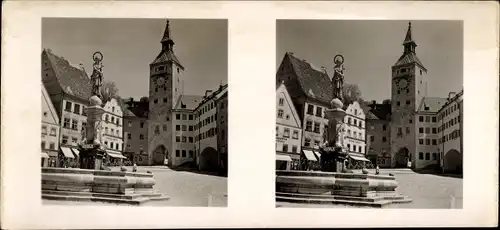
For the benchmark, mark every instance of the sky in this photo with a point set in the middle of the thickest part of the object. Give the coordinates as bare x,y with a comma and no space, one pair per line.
130,45
370,48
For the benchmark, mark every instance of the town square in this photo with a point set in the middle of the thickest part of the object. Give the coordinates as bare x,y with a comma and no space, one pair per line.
139,120
365,123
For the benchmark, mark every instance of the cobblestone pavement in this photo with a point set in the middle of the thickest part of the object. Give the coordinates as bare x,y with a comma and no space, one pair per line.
426,191
184,189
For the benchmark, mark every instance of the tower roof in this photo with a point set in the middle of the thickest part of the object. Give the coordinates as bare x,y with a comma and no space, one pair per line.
408,37
409,55
167,50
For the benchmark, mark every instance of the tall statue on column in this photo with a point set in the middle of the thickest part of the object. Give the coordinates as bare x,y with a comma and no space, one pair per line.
96,76
338,76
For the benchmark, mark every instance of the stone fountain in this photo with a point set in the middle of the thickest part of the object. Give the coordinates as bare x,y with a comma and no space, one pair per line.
91,182
331,185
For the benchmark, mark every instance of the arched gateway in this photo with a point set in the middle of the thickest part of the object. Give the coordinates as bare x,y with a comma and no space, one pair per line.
209,159
453,161
403,156
159,155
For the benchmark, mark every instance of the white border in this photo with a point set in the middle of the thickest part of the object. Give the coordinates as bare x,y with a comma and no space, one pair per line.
251,120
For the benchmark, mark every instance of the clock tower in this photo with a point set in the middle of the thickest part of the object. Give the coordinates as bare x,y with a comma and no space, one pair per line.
164,90
409,84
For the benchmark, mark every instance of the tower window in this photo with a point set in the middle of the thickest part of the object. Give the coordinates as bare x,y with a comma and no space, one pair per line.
407,102
165,99
156,101
178,71
399,91
420,72
156,90
397,103
407,91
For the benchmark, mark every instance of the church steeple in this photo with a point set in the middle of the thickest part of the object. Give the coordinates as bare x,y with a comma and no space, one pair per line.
166,41
408,43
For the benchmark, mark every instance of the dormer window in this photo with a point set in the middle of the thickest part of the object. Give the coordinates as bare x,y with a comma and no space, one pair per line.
161,68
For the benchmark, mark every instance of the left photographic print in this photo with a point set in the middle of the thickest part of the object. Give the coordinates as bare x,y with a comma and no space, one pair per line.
134,112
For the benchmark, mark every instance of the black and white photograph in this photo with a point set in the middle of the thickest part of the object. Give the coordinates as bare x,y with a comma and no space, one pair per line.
134,112
369,113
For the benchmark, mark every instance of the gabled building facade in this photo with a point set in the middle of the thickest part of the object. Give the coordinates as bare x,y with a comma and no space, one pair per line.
113,129
378,133
450,139
288,131
69,89
50,131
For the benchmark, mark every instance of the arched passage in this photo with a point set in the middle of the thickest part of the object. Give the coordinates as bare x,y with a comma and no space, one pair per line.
159,155
453,161
209,159
402,158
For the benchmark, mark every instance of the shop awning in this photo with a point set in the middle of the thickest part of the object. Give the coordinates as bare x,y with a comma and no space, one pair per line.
76,152
358,158
116,155
67,152
318,154
309,155
283,157
45,155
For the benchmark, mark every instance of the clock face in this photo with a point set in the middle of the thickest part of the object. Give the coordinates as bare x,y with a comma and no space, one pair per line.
161,81
402,84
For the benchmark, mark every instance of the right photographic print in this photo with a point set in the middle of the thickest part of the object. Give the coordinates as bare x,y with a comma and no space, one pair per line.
369,113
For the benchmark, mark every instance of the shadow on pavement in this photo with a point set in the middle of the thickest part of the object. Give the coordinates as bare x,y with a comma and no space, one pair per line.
436,173
197,171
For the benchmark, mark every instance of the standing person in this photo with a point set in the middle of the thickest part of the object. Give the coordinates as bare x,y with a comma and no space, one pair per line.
135,167
377,170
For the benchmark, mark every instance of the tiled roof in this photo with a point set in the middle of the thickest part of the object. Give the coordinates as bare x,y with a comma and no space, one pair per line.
367,111
136,109
167,55
73,80
188,102
431,104
314,83
408,58
378,111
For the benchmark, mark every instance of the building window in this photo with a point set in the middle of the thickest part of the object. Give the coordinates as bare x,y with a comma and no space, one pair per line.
420,155
178,127
421,141
68,107
427,119
384,127
190,153
295,134
316,127
190,128
372,127
434,156
141,136
52,146
277,130
427,156
190,139
129,136
319,112
280,113
355,121
177,116
307,142
190,117
65,139
434,119
434,130
294,149
53,131
165,100
398,103
177,138
427,141
74,124
384,139
285,148
183,153
66,123
372,138
43,144
349,120
359,149
310,109
184,117
76,109
286,132
349,147
177,153
44,130
427,130
74,140
316,143
421,118
184,128
184,139
281,101
164,127
434,142
407,102
308,125
142,124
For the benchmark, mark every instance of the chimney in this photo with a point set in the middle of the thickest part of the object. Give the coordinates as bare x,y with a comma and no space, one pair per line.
374,102
208,92
49,50
451,94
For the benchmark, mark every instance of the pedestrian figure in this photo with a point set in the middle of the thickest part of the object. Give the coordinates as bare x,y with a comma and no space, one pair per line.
377,170
135,168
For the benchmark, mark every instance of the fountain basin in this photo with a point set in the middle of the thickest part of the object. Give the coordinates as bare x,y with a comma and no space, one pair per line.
337,188
98,185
